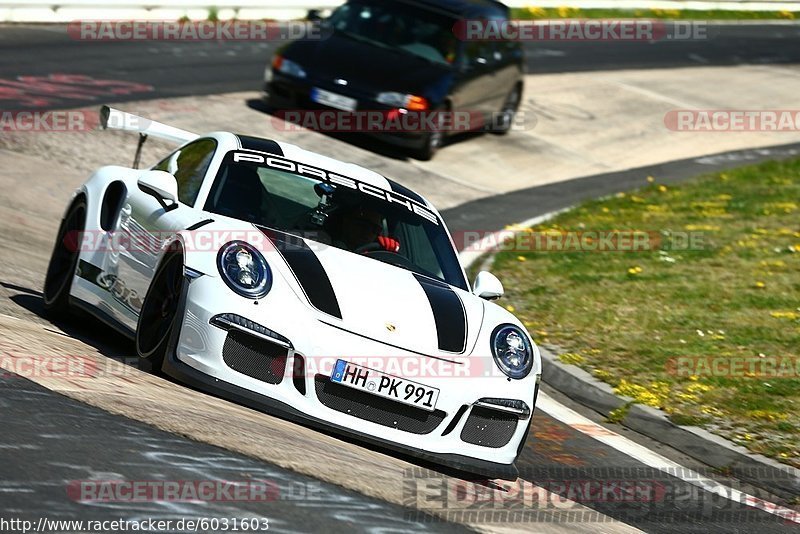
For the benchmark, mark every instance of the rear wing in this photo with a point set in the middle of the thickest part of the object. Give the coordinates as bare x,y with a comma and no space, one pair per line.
115,119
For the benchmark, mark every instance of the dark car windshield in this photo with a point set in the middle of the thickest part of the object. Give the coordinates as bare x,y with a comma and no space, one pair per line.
413,30
287,196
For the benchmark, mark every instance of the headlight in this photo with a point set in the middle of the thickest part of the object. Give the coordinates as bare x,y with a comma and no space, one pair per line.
244,269
512,351
287,66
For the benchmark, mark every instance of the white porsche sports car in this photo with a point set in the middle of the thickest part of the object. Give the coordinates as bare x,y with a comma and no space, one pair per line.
309,288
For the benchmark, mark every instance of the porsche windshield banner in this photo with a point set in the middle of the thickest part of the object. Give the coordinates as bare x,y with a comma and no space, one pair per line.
309,171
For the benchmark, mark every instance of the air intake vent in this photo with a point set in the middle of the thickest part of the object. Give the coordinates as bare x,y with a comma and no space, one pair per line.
254,357
489,428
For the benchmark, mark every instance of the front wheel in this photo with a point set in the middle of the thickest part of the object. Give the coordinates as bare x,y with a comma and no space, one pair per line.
64,260
433,140
158,316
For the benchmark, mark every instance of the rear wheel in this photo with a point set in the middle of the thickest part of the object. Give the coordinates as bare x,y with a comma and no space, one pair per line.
158,316
64,259
503,121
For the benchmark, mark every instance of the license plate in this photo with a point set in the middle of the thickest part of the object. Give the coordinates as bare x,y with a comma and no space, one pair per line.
326,98
387,386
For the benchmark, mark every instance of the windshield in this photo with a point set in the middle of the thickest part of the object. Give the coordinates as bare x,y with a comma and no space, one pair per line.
424,34
331,209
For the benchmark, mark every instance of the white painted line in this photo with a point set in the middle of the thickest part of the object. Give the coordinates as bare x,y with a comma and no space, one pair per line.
492,241
652,459
654,95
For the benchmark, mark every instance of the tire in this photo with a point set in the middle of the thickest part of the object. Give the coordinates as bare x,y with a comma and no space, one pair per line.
505,118
432,142
64,260
159,313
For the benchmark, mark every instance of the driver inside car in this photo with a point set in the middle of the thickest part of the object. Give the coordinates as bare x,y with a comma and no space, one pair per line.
361,227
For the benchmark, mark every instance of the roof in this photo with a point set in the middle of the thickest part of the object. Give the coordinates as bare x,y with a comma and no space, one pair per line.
462,7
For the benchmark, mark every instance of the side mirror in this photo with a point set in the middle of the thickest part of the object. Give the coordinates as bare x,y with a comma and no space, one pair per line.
487,286
162,186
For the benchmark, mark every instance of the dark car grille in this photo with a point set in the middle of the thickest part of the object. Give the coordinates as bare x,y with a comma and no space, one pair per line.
489,428
254,357
376,409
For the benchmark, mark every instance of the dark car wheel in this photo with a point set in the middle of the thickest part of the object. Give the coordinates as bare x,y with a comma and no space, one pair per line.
503,121
64,260
432,141
158,316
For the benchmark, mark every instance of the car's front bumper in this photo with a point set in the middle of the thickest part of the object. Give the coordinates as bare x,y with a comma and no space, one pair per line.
199,358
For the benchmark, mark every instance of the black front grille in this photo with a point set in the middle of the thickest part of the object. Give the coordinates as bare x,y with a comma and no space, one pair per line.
376,409
254,357
489,428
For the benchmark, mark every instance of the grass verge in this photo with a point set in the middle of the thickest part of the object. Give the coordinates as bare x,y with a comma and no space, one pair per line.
537,13
702,322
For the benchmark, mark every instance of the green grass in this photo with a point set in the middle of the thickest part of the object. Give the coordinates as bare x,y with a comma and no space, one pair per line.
669,14
628,316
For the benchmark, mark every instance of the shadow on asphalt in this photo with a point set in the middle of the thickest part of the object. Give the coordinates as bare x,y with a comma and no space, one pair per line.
110,343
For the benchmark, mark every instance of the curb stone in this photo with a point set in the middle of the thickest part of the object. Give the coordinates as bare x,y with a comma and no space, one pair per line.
700,444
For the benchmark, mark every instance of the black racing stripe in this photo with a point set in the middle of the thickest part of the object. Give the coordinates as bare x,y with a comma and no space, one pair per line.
403,190
261,145
307,269
199,224
448,313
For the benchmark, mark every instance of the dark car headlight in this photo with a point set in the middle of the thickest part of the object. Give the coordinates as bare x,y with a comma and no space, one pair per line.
512,351
244,269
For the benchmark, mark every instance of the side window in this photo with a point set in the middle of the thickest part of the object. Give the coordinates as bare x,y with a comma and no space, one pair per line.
477,55
189,165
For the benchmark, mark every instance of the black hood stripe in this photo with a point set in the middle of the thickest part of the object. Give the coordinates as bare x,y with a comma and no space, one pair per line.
448,313
307,270
260,145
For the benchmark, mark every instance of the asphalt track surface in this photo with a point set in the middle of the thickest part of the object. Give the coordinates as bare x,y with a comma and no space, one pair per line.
196,68
47,439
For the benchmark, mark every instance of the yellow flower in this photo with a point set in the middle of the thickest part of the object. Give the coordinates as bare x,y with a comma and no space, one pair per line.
650,179
537,12
635,270
521,258
605,209
510,308
662,188
760,285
